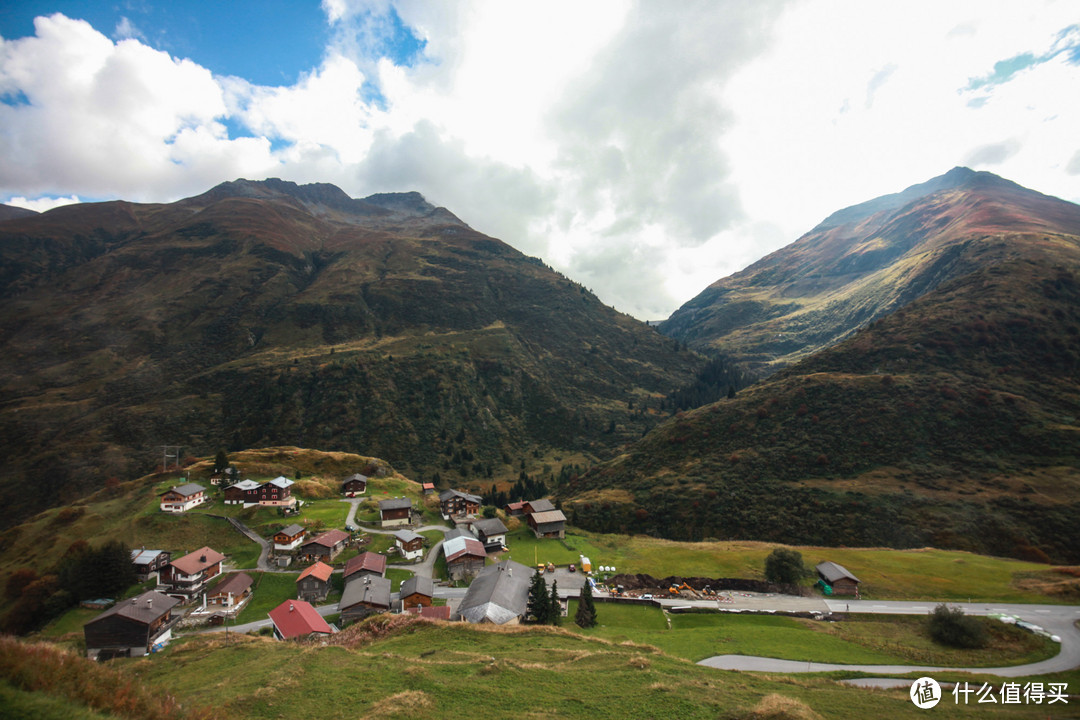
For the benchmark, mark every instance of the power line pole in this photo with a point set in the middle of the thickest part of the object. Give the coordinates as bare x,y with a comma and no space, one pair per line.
165,456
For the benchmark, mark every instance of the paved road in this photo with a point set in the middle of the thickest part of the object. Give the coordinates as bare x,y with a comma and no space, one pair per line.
250,534
1058,620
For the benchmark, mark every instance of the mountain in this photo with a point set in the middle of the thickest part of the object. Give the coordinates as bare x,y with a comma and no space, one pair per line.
859,264
269,313
10,212
953,421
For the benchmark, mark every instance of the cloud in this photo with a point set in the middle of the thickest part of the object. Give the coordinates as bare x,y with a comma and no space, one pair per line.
125,29
993,154
42,204
1073,168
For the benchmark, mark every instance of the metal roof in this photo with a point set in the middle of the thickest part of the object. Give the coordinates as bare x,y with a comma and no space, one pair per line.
395,504
281,481
188,489
355,476
833,572
319,570
542,505
459,546
371,561
489,526
499,594
247,485
330,538
369,589
291,530
296,618
548,516
142,557
144,609
416,584
197,561
447,494
407,536
236,584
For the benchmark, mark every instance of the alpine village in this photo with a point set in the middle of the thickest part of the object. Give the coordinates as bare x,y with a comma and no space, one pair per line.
276,452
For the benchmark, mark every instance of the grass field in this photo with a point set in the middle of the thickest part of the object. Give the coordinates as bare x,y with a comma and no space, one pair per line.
869,639
269,591
451,670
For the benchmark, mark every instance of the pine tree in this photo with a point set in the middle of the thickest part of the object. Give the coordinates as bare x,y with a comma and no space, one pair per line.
539,605
555,606
586,611
221,461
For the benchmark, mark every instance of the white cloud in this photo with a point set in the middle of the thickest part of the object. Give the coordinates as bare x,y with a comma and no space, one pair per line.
42,204
644,148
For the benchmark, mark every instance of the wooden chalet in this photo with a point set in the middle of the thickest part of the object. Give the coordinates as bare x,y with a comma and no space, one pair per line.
289,538
245,492
354,485
187,577
132,628
547,524
297,620
231,593
535,506
838,579
366,563
364,596
324,547
147,562
456,503
465,555
409,544
492,533
395,511
515,509
417,591
314,585
427,488
182,498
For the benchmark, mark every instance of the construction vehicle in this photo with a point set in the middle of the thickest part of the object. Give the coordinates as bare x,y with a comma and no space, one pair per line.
551,567
540,568
586,564
683,590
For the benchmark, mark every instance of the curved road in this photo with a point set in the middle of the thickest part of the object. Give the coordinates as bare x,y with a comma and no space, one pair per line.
1058,620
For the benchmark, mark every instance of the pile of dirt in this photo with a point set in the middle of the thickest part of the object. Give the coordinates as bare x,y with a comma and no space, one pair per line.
648,583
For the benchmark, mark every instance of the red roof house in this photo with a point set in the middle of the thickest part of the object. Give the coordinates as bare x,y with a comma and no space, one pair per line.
296,619
366,563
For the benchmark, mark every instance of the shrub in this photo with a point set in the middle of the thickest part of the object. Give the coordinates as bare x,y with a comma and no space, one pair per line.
784,566
949,626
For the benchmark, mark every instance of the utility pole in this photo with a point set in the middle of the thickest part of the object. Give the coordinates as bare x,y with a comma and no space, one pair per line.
165,456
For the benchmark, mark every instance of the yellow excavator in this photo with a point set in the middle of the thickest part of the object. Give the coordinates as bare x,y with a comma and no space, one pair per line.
683,590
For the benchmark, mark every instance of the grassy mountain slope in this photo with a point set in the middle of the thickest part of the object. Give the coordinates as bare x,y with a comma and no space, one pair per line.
859,264
266,313
952,422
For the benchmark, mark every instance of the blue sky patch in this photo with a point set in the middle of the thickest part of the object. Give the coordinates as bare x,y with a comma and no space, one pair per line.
14,99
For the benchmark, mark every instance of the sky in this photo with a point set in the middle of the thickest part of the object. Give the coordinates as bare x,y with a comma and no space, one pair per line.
643,148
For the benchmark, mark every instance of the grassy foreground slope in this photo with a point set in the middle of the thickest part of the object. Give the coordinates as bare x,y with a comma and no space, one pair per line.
421,669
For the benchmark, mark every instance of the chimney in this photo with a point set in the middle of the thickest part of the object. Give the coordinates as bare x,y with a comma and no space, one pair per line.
290,607
202,558
134,601
149,602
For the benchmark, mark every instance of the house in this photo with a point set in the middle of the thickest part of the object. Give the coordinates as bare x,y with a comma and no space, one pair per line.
548,524
289,538
366,563
148,562
492,533
297,620
222,477
274,493
277,493
231,593
186,578
427,488
499,594
465,555
535,506
440,612
838,579
182,498
416,591
324,547
313,584
364,596
396,511
354,485
515,509
455,502
245,492
409,544
131,628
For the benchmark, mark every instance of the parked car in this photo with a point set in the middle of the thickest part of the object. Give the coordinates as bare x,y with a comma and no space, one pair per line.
573,568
